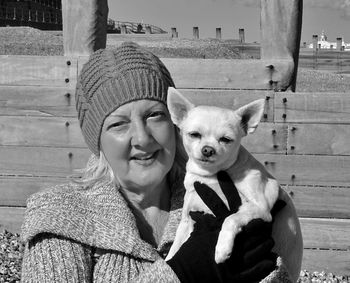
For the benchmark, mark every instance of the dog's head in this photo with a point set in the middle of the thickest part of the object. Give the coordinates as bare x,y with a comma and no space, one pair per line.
212,135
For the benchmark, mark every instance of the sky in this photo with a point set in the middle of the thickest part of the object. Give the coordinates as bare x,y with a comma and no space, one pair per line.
332,16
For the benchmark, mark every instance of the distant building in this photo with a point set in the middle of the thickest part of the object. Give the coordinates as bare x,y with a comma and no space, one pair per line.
41,14
323,43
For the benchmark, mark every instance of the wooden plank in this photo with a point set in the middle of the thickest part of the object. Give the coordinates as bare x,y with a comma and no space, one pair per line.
11,218
308,169
40,131
38,70
41,161
330,261
333,108
59,101
324,202
268,138
324,139
15,191
325,233
224,73
65,132
37,101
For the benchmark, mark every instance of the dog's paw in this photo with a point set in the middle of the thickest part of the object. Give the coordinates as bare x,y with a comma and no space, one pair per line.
222,254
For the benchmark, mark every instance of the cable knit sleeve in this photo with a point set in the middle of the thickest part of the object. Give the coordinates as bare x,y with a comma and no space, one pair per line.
49,258
158,272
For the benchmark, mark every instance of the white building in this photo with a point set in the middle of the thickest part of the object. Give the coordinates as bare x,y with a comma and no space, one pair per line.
323,43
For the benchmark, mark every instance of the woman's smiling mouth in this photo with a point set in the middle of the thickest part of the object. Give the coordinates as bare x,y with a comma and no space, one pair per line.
145,158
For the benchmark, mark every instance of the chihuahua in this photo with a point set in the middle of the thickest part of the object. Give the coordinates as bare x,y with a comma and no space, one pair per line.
212,139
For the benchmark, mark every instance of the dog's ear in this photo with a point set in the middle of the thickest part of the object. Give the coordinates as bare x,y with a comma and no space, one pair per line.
178,105
251,115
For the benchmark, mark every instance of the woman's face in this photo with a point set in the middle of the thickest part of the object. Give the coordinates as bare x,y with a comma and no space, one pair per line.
138,141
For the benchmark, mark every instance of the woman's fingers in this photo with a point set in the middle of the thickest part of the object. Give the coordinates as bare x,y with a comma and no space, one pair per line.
230,191
212,200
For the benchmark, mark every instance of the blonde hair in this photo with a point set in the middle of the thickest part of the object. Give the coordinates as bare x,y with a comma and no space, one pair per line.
98,172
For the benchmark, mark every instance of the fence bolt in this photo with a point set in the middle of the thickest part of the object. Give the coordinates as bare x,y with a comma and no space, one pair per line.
292,147
293,129
266,163
271,82
291,193
270,67
70,155
67,124
293,177
267,98
66,80
284,116
67,95
284,100
273,132
275,146
69,63
265,116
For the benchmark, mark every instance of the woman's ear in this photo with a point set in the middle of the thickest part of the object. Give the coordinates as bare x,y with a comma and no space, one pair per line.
178,106
251,115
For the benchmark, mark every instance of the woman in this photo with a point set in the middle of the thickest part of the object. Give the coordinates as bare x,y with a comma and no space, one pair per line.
118,222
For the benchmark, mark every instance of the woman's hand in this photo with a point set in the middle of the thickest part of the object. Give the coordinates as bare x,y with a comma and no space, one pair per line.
251,259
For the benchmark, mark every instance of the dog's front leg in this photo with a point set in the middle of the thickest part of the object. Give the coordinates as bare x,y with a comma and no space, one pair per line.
232,225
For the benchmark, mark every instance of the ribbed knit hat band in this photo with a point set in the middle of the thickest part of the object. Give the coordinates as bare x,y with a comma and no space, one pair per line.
112,78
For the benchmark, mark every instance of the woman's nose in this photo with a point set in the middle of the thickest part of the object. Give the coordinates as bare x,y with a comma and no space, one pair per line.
141,135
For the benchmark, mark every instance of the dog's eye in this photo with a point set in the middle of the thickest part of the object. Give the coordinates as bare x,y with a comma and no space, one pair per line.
225,140
195,135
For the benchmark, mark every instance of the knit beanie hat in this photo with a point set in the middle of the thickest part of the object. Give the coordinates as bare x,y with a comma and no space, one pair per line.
115,77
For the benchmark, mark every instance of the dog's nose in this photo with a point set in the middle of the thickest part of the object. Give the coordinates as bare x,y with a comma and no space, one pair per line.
208,151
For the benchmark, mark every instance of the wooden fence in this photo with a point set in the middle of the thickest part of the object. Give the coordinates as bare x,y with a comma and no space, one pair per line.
303,139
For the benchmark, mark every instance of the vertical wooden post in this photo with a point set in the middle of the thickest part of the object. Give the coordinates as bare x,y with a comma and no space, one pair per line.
280,27
315,42
84,26
339,43
123,29
174,33
148,30
315,48
241,35
218,33
195,32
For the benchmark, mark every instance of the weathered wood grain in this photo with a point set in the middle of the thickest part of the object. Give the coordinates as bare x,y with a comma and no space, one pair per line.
38,70
40,131
332,108
327,202
84,26
41,161
37,101
65,132
308,169
330,261
325,233
224,73
323,139
15,191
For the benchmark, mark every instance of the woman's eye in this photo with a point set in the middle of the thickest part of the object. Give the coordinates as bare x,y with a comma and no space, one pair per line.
195,135
116,125
155,114
225,140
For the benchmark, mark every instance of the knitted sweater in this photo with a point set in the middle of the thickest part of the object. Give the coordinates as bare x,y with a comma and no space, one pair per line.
75,235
